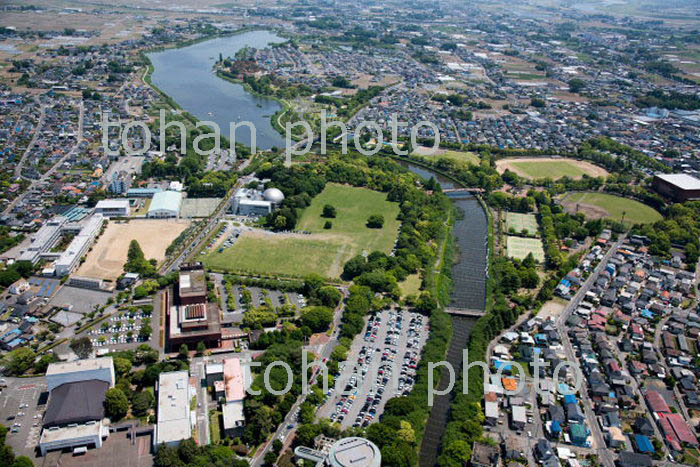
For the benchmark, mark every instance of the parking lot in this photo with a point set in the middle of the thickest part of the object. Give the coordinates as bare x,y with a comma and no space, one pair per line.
258,297
381,364
121,328
21,410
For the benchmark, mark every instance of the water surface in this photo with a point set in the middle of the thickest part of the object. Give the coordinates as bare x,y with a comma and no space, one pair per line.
186,75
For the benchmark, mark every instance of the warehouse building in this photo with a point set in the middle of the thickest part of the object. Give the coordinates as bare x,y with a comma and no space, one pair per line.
113,207
165,204
174,421
678,187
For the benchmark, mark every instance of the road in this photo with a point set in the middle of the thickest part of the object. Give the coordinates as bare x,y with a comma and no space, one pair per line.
282,433
30,146
55,167
605,455
203,234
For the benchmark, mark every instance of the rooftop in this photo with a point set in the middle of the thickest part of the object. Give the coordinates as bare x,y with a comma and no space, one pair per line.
79,365
354,451
682,181
233,378
173,407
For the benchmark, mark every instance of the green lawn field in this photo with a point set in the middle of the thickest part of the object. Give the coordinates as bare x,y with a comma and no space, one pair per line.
519,247
549,168
458,156
325,251
635,212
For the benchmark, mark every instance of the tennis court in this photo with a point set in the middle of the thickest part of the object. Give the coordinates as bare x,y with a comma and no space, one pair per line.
519,247
519,222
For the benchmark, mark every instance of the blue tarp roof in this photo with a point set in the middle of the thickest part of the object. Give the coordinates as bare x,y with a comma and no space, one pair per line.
644,444
556,427
570,399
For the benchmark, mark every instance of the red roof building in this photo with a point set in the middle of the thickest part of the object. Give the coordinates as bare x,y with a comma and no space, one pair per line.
657,403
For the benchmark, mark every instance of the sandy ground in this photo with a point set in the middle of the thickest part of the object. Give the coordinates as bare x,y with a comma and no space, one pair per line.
591,169
588,210
108,255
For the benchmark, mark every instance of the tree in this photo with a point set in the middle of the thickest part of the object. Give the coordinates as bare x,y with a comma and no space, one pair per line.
201,347
43,363
277,446
459,450
576,85
23,461
82,346
537,102
270,458
329,211
116,404
141,403
19,360
328,225
145,332
122,366
375,221
317,318
329,296
184,352
406,432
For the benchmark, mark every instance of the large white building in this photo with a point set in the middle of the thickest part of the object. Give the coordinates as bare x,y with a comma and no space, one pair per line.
113,207
165,204
79,246
174,419
345,452
74,416
250,202
45,238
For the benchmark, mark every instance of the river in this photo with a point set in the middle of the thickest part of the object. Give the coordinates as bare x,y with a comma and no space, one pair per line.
186,75
469,291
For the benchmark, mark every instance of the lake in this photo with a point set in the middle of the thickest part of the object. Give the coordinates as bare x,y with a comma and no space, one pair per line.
186,74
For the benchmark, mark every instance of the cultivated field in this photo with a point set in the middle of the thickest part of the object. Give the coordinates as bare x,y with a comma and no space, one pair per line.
519,222
323,251
519,247
542,167
599,205
108,255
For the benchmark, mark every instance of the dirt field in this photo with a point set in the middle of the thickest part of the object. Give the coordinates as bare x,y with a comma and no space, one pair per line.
108,255
538,167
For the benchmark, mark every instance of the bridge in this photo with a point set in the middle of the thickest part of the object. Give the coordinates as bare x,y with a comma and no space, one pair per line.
463,190
470,313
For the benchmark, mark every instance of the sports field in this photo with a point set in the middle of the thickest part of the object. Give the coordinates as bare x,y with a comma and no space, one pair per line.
107,257
324,251
554,168
520,222
599,205
519,247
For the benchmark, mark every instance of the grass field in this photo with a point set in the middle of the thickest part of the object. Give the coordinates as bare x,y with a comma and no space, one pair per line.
324,251
519,247
554,168
598,205
411,285
458,156
519,221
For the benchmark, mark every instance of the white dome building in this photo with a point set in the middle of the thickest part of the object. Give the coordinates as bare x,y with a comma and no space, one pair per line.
350,452
273,195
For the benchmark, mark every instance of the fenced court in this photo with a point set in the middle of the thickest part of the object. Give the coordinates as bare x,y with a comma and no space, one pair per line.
518,222
519,248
